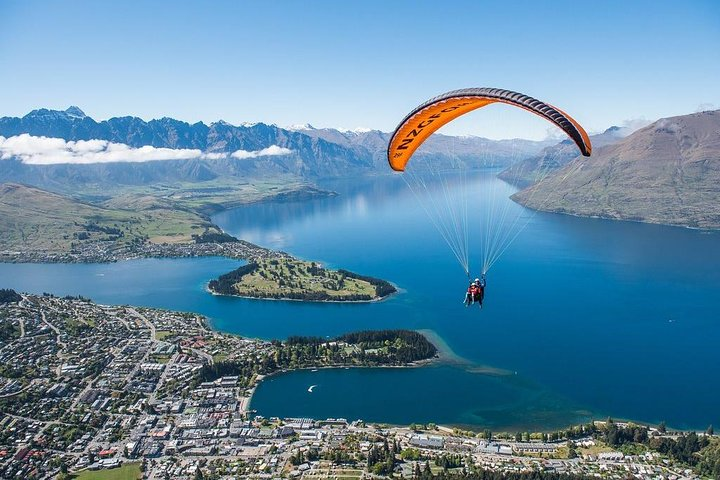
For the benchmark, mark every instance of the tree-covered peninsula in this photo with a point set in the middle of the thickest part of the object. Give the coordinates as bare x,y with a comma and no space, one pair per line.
371,348
287,278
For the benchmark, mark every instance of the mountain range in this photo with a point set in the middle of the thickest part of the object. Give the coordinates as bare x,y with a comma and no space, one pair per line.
532,169
315,153
667,172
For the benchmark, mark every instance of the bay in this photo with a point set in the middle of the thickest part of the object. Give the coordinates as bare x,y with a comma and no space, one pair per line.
596,317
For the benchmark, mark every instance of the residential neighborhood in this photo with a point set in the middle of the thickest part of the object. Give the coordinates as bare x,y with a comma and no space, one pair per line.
91,387
103,252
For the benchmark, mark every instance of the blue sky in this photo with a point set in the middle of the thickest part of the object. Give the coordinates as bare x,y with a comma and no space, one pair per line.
359,64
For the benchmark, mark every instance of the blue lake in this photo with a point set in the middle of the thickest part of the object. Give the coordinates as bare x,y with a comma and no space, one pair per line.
588,317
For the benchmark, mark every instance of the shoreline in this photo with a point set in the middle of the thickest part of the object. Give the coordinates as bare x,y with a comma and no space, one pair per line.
277,278
117,252
444,356
448,356
260,378
270,299
706,229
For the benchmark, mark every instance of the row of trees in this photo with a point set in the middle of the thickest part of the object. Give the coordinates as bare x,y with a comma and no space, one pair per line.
399,347
615,435
224,284
214,237
447,461
694,450
480,474
94,227
387,346
301,457
404,345
381,459
307,295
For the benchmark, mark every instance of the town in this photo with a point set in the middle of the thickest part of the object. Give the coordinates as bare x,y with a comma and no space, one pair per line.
158,394
105,252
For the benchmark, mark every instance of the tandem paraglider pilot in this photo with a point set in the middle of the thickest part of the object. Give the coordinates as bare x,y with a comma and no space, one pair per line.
476,291
428,117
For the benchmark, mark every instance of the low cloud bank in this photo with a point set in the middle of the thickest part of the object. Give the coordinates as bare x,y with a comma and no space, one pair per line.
272,150
52,151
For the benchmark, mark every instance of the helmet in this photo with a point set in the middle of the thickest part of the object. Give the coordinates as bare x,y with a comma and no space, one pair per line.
477,279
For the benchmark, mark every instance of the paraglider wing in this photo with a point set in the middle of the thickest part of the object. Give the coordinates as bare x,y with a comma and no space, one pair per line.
436,112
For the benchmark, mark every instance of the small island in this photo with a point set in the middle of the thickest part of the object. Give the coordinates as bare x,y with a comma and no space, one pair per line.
287,278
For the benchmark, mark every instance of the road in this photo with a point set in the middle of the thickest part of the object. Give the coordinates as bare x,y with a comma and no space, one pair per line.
147,322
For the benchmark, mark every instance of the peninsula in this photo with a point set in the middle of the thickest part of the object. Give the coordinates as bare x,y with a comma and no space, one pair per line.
42,226
37,225
286,278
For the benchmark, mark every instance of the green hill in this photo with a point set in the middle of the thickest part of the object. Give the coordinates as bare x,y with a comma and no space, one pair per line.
37,220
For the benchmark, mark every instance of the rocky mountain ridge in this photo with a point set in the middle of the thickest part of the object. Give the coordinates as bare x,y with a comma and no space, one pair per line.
315,153
667,172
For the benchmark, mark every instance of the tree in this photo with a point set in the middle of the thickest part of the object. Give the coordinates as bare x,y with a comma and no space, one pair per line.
710,432
410,454
662,428
518,437
572,453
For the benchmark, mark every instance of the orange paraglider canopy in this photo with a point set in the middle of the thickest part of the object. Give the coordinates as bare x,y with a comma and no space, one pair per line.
426,119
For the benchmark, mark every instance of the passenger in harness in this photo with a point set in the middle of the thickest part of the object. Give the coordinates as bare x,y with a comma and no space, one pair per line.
471,294
476,292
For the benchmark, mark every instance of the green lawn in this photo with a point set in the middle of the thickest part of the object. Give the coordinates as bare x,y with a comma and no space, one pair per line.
285,276
162,334
220,357
34,219
161,358
130,471
39,220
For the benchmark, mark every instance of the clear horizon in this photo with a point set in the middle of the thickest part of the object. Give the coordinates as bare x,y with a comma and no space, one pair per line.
360,65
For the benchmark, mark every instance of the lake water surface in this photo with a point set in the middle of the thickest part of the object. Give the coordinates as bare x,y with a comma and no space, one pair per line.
584,317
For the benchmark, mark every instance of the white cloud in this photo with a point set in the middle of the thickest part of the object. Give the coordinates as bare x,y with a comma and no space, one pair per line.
214,156
272,150
668,126
634,124
704,107
51,151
